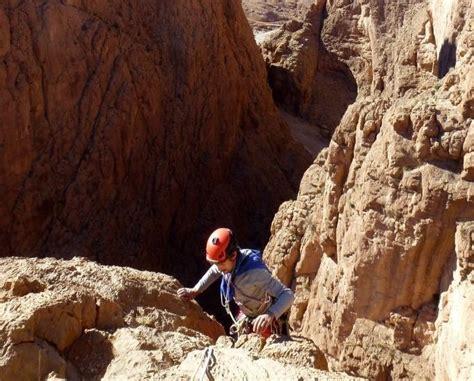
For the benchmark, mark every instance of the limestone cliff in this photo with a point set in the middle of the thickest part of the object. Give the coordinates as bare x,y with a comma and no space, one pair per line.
378,244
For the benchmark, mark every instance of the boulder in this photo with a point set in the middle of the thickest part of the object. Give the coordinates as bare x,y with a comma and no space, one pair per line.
89,321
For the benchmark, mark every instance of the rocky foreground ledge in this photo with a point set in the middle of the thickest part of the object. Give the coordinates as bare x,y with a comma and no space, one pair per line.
78,320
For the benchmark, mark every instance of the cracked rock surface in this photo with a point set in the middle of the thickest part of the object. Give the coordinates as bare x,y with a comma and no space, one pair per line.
131,128
78,320
378,244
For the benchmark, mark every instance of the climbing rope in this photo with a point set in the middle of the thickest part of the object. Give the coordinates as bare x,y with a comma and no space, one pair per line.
225,299
207,363
240,327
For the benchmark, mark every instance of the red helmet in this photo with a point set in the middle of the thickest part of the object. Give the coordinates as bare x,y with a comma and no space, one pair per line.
217,244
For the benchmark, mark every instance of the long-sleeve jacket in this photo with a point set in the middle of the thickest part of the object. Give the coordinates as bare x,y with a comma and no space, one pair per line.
252,288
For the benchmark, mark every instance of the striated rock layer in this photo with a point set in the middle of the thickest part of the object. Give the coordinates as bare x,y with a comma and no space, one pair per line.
378,244
130,129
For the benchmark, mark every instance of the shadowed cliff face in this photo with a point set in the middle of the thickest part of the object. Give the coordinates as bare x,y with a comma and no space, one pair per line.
130,130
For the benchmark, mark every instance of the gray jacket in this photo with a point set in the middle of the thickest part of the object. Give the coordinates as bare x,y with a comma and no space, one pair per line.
256,291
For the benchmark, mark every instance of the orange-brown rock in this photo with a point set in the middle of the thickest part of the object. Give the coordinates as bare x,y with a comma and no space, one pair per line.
79,320
131,129
93,322
378,244
306,79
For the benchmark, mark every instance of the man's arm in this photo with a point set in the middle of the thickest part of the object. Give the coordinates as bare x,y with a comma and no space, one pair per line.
283,296
211,275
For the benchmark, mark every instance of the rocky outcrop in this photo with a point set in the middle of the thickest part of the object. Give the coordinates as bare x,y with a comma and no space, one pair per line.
79,320
306,79
134,129
264,15
383,216
251,358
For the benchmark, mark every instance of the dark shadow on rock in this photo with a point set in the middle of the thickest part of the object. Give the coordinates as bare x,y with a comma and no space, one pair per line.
283,338
453,166
91,354
211,303
446,58
325,101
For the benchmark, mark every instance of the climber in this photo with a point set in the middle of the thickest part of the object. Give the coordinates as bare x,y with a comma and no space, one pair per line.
261,298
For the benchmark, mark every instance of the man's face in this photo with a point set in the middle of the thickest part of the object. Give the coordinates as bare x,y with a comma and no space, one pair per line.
227,265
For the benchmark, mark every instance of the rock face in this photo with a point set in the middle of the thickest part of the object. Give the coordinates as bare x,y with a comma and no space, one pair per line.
378,244
131,129
454,352
250,358
79,320
269,14
306,79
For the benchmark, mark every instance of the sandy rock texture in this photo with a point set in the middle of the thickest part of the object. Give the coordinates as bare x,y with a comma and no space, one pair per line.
251,358
135,128
454,357
378,244
79,320
265,15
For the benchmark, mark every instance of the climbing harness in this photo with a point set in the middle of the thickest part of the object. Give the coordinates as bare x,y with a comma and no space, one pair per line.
243,324
207,363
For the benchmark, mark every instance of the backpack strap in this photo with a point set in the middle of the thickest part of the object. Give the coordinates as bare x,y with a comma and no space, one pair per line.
248,260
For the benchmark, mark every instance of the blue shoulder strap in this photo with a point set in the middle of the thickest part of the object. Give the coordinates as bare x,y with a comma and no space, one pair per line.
251,260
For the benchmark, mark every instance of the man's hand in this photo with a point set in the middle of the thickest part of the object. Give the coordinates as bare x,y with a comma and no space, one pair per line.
187,293
261,322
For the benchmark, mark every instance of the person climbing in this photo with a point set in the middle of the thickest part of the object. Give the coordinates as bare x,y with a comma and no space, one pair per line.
261,298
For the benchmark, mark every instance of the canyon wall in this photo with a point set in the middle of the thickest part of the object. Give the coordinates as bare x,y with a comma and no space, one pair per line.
132,129
378,244
267,14
307,80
